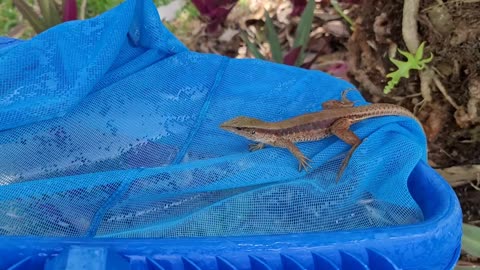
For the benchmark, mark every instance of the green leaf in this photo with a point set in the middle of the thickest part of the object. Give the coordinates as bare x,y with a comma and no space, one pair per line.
49,12
419,53
408,55
251,47
29,14
471,239
302,34
272,37
404,67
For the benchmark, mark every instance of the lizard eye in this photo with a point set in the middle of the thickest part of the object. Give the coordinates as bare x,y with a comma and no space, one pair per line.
252,132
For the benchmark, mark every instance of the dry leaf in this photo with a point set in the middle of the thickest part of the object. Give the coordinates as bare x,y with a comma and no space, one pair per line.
382,29
435,122
337,29
283,12
168,12
228,35
470,115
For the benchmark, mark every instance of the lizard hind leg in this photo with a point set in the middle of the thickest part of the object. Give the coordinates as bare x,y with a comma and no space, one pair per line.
340,128
345,162
344,103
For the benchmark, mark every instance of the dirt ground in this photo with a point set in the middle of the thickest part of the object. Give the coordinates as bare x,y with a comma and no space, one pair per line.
445,96
451,119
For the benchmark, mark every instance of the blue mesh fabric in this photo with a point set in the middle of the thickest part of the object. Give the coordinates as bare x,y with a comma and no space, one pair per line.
109,127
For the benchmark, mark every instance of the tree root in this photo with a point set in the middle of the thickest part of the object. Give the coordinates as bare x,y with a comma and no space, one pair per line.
412,41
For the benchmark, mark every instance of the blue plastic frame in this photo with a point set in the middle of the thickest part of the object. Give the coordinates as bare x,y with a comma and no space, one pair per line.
434,243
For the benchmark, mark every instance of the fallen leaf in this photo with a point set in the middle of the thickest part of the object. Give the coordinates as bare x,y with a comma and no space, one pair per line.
168,12
465,117
461,118
473,102
317,32
382,29
228,34
337,29
435,121
324,16
339,70
283,12
440,18
298,7
291,56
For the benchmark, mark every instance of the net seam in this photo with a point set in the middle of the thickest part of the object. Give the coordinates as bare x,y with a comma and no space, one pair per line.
203,111
98,217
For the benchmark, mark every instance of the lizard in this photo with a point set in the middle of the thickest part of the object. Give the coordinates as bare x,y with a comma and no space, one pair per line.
335,119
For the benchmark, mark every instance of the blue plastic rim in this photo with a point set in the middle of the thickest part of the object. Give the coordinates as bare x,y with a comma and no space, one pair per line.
432,244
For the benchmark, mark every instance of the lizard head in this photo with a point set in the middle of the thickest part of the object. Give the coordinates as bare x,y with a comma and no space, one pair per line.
244,126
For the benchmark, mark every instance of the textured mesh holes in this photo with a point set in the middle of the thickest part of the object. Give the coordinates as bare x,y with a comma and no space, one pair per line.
109,127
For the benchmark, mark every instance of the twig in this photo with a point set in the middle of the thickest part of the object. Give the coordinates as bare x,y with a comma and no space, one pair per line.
17,31
475,186
442,89
409,24
401,98
467,1
339,10
447,154
474,222
83,8
419,106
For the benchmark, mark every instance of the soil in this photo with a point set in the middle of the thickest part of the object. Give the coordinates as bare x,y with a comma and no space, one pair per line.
454,140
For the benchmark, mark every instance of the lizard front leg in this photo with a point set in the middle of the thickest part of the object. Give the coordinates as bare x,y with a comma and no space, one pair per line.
303,161
340,128
256,146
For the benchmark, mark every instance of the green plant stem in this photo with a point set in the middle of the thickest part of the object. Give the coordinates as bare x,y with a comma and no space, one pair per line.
251,47
29,14
339,10
302,34
272,37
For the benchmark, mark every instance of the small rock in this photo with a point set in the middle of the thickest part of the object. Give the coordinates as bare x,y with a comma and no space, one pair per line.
441,18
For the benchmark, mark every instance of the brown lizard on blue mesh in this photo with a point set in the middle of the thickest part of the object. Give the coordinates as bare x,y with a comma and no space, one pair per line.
335,119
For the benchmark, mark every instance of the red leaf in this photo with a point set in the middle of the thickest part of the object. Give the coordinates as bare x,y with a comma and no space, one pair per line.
298,7
69,10
201,6
216,11
291,56
339,70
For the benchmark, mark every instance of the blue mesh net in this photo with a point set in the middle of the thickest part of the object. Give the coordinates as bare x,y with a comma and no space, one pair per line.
109,127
